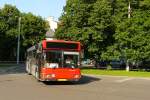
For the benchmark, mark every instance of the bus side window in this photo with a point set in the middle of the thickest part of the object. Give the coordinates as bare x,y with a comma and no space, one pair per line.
43,59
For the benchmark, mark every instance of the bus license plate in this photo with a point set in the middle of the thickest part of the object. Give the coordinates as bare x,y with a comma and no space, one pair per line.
62,79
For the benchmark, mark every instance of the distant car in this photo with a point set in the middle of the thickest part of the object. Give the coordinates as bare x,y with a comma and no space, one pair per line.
117,64
143,65
85,62
101,64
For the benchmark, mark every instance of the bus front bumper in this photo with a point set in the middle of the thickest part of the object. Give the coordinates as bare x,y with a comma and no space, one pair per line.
51,77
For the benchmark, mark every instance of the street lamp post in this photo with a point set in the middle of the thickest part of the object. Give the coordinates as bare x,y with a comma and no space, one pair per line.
129,16
18,42
129,10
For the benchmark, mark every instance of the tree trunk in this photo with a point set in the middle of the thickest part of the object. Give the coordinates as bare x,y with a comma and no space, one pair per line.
127,66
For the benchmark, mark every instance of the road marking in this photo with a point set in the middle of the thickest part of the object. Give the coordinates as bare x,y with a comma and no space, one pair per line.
124,80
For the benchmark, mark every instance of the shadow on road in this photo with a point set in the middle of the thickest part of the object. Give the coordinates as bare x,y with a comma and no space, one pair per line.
88,79
18,69
83,80
15,69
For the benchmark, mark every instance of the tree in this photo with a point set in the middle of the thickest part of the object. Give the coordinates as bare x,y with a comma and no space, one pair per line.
132,34
33,29
87,21
106,30
101,26
74,23
8,30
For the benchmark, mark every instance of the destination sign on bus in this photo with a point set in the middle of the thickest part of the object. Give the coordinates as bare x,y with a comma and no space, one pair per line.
62,45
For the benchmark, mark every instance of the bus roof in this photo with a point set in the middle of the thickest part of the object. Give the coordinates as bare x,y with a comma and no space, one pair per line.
57,45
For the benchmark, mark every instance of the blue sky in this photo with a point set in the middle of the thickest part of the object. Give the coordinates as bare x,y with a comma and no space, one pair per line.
43,8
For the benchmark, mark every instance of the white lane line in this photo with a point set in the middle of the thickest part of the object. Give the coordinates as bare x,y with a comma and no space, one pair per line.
124,80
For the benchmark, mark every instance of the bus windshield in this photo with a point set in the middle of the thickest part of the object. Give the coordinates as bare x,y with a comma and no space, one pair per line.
53,59
70,61
56,59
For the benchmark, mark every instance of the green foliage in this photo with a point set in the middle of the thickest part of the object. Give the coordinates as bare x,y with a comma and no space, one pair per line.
132,36
105,30
101,25
33,29
112,53
74,20
74,23
82,18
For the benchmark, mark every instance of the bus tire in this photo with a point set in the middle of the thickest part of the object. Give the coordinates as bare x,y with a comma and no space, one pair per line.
28,73
27,69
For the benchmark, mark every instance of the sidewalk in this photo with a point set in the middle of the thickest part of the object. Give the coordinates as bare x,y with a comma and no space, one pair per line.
12,69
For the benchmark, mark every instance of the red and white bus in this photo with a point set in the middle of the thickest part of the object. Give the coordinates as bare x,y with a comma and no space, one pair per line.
54,60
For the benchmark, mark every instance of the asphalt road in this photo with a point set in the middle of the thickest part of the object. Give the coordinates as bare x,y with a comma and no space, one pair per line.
15,84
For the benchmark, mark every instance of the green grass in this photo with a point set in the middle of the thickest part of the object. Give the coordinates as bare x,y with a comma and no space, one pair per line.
116,72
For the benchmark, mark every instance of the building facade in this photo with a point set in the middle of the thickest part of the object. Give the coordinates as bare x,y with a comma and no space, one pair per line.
52,23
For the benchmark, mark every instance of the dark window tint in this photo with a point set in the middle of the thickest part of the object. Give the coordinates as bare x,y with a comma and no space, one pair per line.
57,45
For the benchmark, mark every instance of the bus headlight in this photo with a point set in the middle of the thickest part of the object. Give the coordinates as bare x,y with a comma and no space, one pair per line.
51,76
76,76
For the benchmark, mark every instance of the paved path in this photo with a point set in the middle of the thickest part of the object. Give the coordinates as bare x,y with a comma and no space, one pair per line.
13,69
20,86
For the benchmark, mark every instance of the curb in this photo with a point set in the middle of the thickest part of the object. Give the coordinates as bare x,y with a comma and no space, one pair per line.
98,76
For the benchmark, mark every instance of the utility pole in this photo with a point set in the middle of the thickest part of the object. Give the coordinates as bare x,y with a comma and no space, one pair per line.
18,42
129,10
129,16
